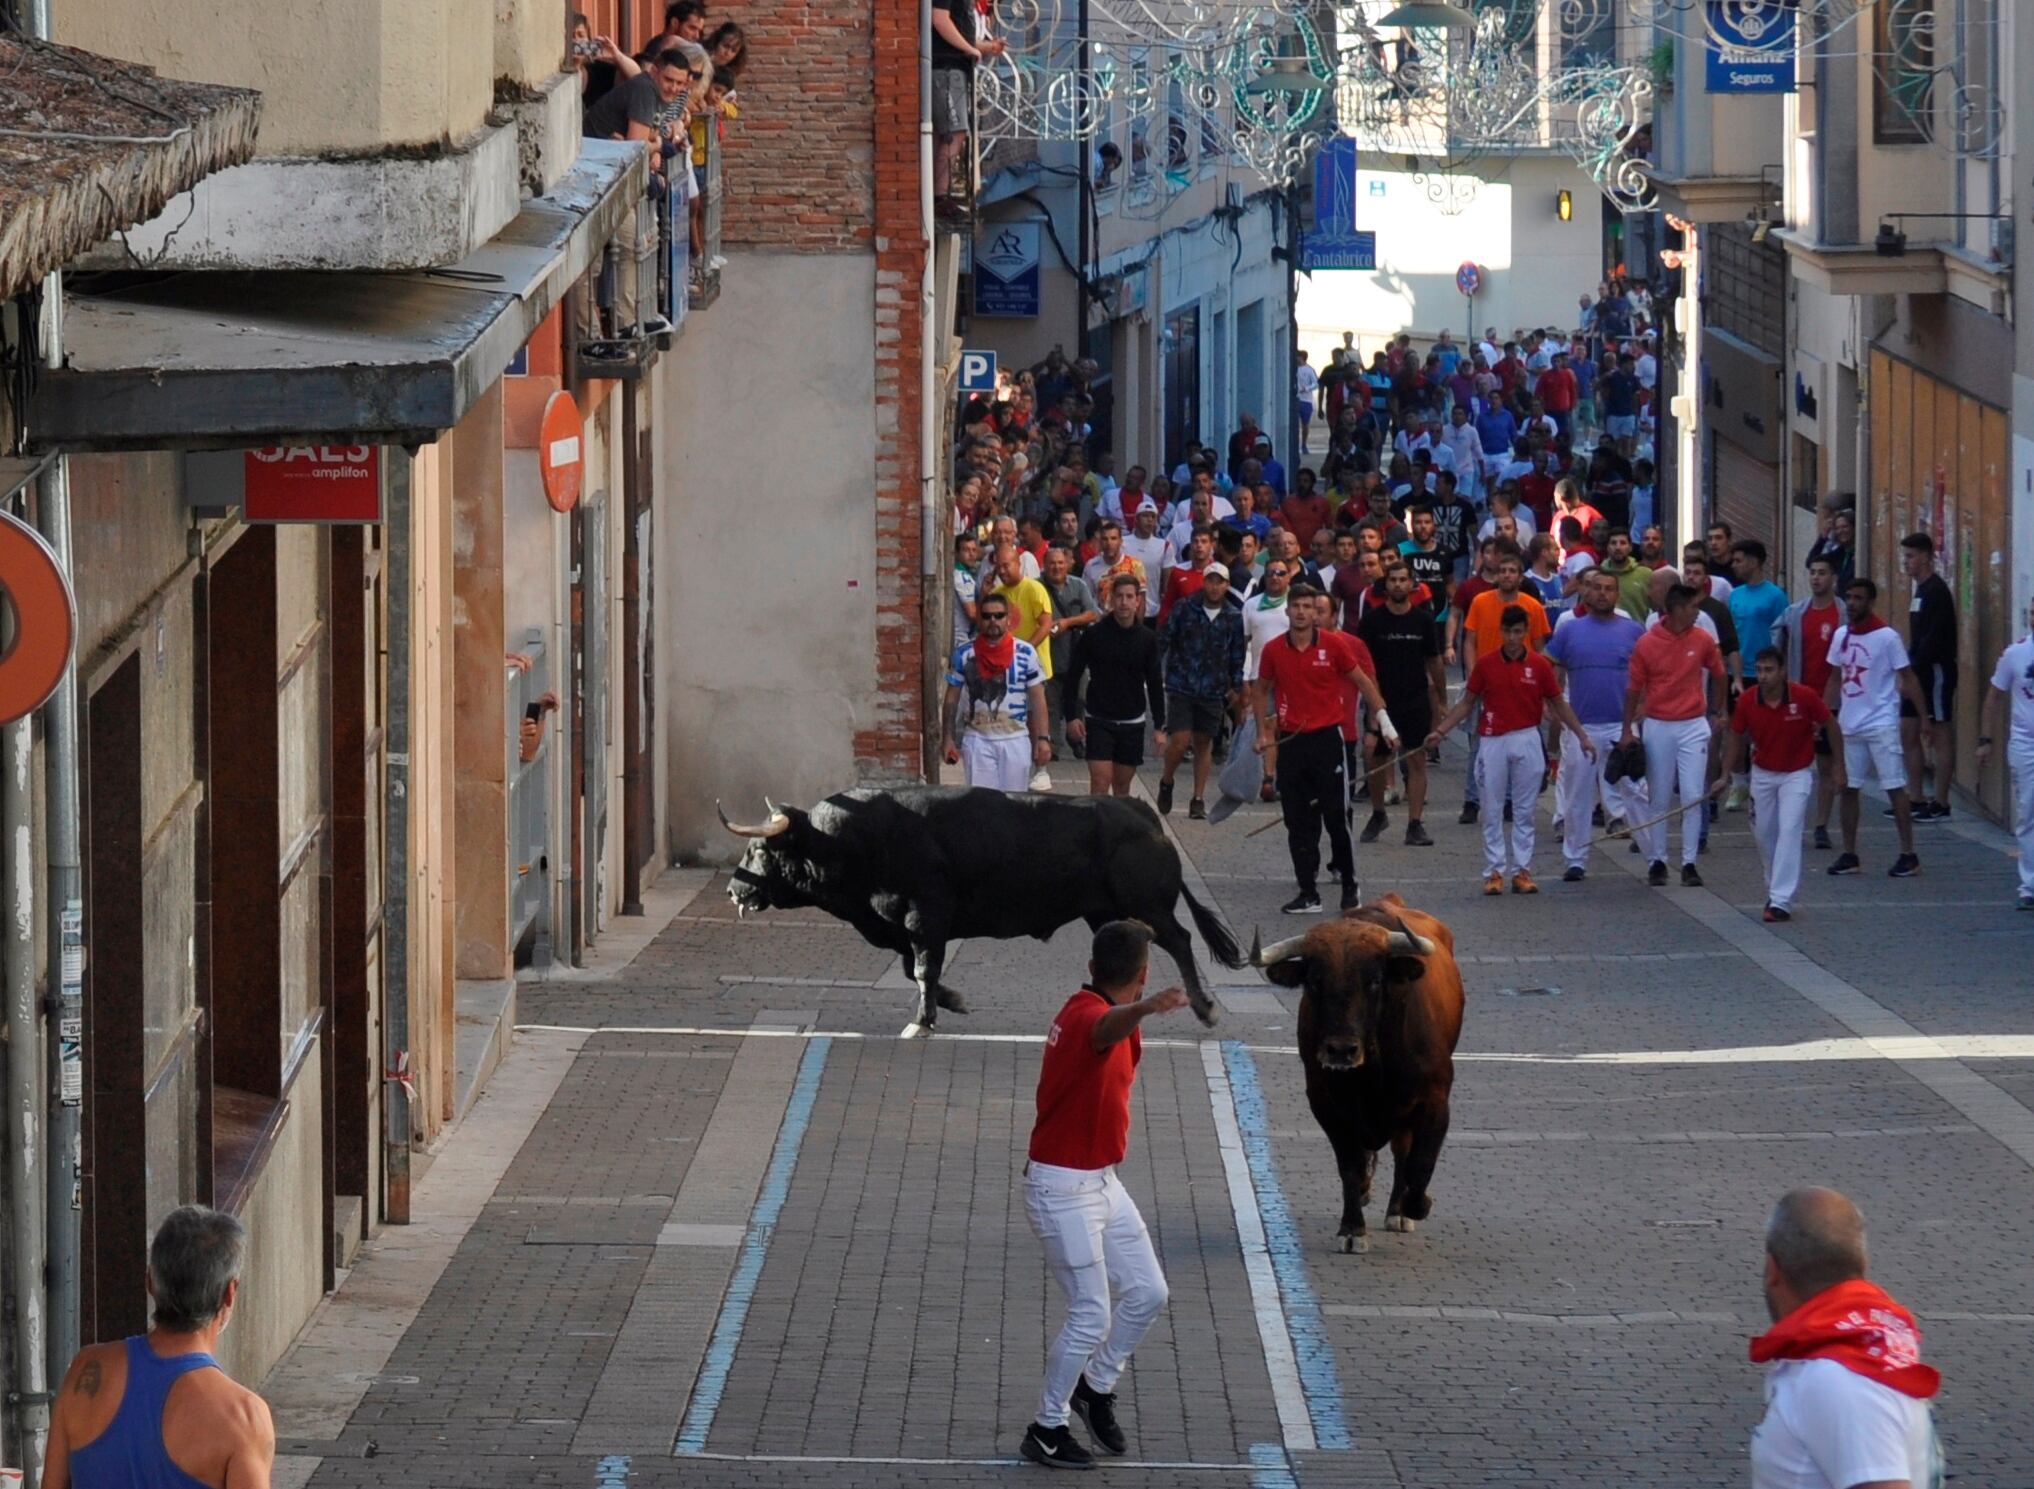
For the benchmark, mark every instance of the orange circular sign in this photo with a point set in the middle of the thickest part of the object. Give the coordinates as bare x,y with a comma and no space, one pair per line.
45,620
561,451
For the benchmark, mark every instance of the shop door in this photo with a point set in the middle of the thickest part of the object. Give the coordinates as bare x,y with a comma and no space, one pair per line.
1747,495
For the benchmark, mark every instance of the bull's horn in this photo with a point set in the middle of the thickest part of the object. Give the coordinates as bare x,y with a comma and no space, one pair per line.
1406,943
1278,951
776,824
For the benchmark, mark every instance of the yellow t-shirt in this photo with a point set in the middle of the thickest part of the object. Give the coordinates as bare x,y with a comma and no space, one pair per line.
1028,601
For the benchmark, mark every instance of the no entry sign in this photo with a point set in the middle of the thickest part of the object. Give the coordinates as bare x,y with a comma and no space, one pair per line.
561,451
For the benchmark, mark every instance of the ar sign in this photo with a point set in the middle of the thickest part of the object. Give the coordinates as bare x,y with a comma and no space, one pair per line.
978,372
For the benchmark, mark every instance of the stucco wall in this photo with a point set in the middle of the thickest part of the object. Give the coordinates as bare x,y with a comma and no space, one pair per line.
529,39
375,74
765,548
1535,267
284,1276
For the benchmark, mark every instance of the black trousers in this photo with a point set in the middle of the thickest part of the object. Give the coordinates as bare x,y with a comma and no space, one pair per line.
1313,793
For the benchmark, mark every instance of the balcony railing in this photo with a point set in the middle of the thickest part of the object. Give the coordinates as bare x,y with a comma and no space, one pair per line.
635,310
704,272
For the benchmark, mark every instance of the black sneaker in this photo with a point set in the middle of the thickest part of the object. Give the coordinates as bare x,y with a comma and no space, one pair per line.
1350,899
1098,1410
1890,815
1055,1447
1596,816
1575,875
1846,863
1197,810
1776,916
1906,866
1470,812
1507,811
1657,874
1822,842
1691,877
1934,811
2026,902
1416,835
1634,846
1375,826
1164,798
1362,790
1306,902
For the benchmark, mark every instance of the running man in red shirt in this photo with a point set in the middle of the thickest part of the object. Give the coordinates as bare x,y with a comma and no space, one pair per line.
1782,720
1079,1210
1516,686
1310,669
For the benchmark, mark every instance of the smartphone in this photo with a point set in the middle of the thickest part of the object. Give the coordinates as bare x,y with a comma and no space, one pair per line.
586,49
533,713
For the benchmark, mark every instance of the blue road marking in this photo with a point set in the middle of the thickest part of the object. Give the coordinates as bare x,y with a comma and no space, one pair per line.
1274,1469
741,1288
612,1472
1312,1353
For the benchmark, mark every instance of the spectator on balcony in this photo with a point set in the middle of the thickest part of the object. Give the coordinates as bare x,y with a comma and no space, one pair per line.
601,65
956,47
636,109
684,20
728,48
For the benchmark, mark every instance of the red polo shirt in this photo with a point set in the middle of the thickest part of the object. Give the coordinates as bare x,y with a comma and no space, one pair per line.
1514,694
1084,1093
1309,683
1818,624
1783,738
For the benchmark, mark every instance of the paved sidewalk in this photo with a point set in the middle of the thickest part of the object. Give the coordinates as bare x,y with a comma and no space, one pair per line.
713,1204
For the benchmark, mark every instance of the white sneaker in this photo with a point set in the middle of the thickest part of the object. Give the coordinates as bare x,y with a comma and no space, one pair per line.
1737,798
1041,781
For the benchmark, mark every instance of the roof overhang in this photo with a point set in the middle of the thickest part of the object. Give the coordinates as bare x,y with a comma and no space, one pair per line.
91,146
1860,269
1701,199
234,360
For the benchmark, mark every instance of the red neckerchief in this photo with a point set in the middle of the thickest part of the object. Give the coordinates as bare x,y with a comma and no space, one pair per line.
1866,626
1858,1325
993,658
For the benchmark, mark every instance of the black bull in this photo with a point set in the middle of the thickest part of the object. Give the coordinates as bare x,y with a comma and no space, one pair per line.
916,867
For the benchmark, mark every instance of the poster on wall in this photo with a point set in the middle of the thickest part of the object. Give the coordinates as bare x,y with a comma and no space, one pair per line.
1006,269
1750,47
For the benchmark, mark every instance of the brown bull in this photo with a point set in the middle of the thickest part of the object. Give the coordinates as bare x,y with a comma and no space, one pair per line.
1380,1011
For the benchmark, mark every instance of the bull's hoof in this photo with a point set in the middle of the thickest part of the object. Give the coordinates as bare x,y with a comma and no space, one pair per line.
1402,1223
1355,1245
952,1001
1209,1013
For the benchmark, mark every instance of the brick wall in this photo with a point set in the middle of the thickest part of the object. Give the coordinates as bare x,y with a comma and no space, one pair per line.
891,743
799,164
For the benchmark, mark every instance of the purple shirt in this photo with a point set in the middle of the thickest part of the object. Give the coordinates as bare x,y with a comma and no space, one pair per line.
1596,654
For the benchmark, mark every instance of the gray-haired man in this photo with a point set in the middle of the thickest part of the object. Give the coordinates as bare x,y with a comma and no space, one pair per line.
156,1406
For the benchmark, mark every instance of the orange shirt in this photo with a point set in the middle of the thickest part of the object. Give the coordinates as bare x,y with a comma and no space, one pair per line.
1674,671
1484,621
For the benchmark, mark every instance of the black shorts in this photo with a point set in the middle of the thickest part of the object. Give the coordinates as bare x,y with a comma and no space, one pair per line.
1195,715
1938,691
1119,744
1414,720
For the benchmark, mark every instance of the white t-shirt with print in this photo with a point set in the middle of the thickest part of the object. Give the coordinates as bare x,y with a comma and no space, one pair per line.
1827,1427
2014,676
1867,661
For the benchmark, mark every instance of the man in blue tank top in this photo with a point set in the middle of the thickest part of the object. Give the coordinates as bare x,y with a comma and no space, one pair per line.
155,1411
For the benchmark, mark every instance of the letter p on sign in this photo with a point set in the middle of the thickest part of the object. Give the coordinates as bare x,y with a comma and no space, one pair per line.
978,372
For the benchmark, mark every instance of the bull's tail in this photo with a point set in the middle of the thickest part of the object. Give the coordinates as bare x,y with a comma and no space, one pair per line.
1220,940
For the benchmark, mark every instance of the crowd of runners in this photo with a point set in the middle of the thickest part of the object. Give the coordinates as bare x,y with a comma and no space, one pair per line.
1481,516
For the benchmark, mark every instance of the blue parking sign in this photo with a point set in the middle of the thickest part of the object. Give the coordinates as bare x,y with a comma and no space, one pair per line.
978,372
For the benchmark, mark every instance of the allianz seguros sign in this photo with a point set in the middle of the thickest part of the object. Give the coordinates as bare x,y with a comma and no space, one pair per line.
1750,45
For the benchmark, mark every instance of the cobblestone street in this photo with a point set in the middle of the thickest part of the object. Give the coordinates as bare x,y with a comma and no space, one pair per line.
715,1222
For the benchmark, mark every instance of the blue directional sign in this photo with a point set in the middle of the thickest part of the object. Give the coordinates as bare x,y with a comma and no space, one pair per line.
978,372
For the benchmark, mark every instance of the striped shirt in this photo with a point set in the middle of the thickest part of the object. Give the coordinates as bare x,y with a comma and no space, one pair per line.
991,710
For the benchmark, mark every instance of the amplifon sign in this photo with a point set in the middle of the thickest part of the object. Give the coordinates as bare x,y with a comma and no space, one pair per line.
313,483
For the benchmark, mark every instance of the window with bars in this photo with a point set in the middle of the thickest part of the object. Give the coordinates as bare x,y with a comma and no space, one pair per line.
1903,72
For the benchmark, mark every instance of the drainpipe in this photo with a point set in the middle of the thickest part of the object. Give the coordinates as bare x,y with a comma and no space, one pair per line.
929,558
28,1400
395,910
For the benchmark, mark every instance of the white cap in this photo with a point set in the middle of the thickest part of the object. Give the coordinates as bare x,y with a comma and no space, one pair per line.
1147,505
1215,571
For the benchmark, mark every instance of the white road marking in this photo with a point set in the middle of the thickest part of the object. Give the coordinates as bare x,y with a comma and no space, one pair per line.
1272,1331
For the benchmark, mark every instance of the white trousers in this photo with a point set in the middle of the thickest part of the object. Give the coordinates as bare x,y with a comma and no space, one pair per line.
1510,766
1677,760
999,761
1582,785
2021,758
1779,816
1094,1239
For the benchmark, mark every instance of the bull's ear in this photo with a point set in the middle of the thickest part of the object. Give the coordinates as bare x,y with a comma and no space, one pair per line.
1289,972
1404,968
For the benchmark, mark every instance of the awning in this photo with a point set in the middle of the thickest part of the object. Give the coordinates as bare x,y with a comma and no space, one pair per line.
228,360
90,146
